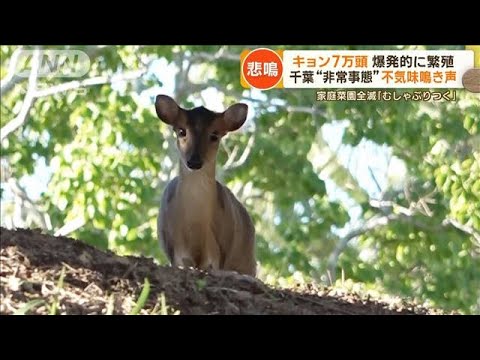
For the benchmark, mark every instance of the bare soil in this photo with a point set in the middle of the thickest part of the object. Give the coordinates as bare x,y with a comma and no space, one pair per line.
32,266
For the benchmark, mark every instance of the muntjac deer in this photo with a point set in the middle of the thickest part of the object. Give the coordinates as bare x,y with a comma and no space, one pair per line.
201,224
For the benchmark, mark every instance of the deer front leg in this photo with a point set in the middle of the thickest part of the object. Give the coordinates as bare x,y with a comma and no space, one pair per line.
183,259
210,259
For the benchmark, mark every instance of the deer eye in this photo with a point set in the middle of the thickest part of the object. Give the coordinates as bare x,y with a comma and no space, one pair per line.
213,136
182,132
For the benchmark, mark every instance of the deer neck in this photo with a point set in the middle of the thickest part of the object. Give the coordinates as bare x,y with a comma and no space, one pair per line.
197,188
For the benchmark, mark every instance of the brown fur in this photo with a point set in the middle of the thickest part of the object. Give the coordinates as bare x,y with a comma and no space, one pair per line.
201,223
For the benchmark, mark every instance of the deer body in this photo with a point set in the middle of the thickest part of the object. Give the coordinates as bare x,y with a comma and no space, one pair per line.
201,223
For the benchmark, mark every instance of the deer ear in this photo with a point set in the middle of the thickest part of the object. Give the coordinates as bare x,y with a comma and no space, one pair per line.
167,109
235,116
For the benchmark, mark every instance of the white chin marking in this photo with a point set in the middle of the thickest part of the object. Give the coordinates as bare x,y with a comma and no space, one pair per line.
186,166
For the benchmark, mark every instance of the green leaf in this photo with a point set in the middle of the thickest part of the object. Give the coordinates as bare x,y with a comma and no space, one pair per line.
142,299
29,306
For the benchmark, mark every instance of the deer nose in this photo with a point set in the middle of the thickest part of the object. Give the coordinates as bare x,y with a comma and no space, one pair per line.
194,162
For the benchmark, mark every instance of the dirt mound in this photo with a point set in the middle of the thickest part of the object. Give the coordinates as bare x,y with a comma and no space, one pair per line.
42,274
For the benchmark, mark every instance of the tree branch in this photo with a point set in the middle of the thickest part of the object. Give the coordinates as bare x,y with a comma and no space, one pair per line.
380,204
313,110
466,229
231,157
7,86
181,80
11,79
230,165
302,109
98,80
371,224
20,193
27,101
374,178
403,215
221,54
33,94
70,227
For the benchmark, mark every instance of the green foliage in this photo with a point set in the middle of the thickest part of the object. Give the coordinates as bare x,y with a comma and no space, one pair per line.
142,298
29,306
111,158
428,257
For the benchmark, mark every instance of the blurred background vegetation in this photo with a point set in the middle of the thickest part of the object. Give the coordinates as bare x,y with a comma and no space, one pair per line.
384,194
